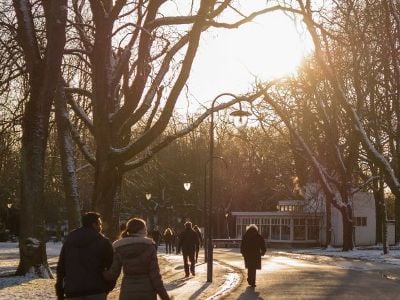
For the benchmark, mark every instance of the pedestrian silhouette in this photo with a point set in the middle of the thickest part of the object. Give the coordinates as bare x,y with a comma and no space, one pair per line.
168,239
156,235
252,248
188,242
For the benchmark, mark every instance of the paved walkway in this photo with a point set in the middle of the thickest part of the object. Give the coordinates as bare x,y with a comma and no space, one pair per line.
225,279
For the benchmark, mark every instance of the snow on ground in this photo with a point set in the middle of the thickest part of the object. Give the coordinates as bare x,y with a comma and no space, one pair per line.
372,254
20,287
231,280
25,287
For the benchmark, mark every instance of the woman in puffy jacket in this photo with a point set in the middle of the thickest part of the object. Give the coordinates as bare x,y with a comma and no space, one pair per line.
136,255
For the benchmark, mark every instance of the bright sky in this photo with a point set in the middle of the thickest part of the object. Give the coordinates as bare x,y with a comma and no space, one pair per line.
231,60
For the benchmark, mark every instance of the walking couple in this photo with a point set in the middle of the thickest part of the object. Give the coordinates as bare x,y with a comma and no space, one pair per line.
89,265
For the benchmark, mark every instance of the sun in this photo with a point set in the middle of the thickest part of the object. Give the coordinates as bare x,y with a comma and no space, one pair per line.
270,48
232,60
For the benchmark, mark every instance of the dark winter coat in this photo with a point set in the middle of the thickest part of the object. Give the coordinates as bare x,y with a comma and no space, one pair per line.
83,258
188,241
252,248
137,257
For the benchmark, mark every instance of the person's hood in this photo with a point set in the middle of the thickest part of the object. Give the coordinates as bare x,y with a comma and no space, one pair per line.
133,246
133,240
83,237
251,232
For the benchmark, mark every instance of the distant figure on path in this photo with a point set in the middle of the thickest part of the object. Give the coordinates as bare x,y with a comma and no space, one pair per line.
197,230
188,242
137,256
86,253
156,235
168,239
252,248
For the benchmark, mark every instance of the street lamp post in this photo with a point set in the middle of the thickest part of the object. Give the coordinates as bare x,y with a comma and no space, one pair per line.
240,117
9,205
153,217
186,186
227,225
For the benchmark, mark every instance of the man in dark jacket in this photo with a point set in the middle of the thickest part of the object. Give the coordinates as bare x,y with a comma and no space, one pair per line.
86,253
188,242
252,248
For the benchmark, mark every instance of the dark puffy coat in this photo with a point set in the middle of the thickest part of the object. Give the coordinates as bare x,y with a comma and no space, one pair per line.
83,258
188,241
252,248
137,257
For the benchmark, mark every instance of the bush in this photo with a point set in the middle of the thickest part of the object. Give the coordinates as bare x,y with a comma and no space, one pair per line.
4,236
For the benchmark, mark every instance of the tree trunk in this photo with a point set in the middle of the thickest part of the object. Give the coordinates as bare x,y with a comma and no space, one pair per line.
328,215
378,190
397,219
67,161
43,69
384,228
32,227
347,217
379,219
107,184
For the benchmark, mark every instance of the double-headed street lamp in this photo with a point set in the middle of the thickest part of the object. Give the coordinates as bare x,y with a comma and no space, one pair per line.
240,120
148,195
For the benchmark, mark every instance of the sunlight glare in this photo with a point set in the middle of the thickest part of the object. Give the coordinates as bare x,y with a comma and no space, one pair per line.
232,60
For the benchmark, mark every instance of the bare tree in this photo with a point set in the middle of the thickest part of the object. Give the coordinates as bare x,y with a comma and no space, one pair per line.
138,56
43,61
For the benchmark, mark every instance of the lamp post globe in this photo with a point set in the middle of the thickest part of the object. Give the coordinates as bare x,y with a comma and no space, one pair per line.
240,118
187,185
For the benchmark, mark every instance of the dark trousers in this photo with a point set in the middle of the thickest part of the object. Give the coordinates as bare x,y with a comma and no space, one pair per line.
189,256
251,276
168,247
197,253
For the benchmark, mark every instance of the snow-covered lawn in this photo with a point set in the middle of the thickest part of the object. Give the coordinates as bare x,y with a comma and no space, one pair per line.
372,254
24,287
20,287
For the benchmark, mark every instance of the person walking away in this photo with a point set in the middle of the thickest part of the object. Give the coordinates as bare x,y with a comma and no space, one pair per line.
168,240
252,248
156,235
174,237
197,230
85,254
136,255
188,242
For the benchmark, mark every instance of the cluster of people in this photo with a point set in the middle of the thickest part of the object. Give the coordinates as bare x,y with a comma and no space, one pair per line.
89,265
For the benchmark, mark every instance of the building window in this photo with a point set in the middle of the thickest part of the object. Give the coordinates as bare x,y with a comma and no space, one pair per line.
285,229
275,229
313,229
299,229
264,231
360,221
